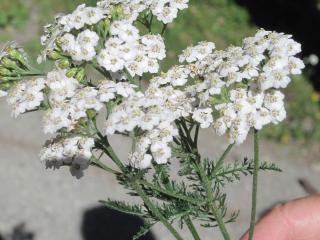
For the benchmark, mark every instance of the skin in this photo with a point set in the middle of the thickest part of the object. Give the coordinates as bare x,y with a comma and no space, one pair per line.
296,220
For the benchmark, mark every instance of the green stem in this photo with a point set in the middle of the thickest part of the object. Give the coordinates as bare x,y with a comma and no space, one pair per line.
32,74
211,203
109,151
150,24
187,134
164,28
155,211
192,228
254,184
101,165
196,135
221,159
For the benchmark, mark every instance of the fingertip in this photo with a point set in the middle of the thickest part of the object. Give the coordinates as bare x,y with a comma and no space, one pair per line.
299,219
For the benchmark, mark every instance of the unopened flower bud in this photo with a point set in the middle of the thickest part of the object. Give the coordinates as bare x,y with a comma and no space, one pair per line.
64,63
91,113
72,72
80,75
58,43
15,54
117,12
4,71
5,86
103,27
54,55
46,90
106,24
8,63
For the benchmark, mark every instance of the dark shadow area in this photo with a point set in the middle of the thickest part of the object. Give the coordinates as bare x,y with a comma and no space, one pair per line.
301,18
19,232
102,223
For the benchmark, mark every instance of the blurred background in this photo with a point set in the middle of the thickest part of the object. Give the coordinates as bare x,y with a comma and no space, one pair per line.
39,204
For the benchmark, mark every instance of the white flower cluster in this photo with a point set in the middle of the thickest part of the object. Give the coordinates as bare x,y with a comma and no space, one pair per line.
233,90
74,34
26,96
153,113
197,53
81,17
203,116
243,82
165,10
75,152
82,47
248,109
127,50
69,102
109,90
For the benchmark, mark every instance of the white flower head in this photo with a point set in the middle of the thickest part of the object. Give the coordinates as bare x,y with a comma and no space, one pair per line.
203,116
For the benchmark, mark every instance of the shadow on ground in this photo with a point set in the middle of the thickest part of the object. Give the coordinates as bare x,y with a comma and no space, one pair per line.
19,232
297,17
101,223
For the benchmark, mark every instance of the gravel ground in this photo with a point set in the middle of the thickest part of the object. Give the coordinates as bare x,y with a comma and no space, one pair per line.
53,205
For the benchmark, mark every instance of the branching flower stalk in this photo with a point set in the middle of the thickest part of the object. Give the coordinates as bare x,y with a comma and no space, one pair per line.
107,81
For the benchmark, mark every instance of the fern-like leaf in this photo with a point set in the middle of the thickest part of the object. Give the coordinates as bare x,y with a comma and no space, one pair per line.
123,207
143,230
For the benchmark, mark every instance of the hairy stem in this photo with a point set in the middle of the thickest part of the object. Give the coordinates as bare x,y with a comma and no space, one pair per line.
192,228
155,210
254,184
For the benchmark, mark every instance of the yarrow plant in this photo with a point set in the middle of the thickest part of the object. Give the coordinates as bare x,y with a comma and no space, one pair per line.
107,66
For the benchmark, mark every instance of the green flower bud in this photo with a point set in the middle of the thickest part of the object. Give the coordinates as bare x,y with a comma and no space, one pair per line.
103,27
46,91
72,72
106,24
15,54
79,125
80,75
91,113
8,63
5,72
54,55
58,43
5,86
64,63
117,12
